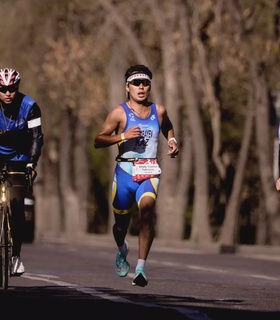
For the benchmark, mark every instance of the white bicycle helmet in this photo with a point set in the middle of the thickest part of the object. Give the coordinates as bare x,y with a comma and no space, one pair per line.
9,77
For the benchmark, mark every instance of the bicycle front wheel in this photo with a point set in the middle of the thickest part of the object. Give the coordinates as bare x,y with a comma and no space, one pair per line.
5,261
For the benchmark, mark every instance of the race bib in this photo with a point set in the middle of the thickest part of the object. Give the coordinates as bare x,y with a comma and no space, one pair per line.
143,169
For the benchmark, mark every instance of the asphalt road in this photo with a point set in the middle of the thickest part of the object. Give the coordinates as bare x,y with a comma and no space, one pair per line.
185,282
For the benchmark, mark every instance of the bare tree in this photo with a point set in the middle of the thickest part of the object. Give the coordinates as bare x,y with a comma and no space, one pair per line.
165,16
257,48
265,145
77,110
230,224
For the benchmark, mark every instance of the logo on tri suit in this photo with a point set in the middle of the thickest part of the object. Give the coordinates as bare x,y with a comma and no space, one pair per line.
131,117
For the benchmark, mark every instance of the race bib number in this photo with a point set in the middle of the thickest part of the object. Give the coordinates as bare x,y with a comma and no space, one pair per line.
143,169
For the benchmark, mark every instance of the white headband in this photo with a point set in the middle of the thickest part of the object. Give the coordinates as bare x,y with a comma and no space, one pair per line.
138,76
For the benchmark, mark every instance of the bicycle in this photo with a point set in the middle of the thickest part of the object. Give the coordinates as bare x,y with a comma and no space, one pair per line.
6,240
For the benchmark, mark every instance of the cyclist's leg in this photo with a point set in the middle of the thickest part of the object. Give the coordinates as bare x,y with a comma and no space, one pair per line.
17,220
17,195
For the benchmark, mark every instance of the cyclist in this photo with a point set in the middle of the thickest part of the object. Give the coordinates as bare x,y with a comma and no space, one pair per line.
21,140
135,126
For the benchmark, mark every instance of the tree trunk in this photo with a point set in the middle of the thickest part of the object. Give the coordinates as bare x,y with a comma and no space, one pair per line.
69,198
265,145
48,218
200,230
167,205
81,173
229,227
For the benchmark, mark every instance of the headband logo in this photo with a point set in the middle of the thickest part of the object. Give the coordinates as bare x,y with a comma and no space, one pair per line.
138,76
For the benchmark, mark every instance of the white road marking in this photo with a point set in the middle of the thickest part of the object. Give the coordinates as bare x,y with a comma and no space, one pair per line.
190,314
213,270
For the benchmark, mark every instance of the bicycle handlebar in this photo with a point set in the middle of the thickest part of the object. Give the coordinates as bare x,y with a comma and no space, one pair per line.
30,176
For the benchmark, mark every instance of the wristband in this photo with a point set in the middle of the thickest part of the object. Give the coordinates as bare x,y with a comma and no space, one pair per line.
122,136
173,139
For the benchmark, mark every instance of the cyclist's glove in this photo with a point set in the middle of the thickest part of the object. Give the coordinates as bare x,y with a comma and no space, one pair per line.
28,171
30,175
30,165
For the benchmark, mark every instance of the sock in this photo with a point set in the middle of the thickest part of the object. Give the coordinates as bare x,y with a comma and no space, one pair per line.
140,263
123,248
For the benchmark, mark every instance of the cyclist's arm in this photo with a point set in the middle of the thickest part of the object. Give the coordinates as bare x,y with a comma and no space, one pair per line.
35,130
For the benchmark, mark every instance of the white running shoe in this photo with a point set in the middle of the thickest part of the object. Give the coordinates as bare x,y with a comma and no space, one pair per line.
17,268
140,278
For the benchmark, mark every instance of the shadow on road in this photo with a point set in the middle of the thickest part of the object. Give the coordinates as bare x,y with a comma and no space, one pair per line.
53,301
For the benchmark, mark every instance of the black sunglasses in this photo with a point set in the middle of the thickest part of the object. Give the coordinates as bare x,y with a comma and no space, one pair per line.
137,82
8,88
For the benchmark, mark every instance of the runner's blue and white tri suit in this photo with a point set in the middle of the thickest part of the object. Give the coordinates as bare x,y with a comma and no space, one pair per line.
124,190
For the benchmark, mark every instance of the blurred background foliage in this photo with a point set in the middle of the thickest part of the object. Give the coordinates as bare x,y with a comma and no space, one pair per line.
215,65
